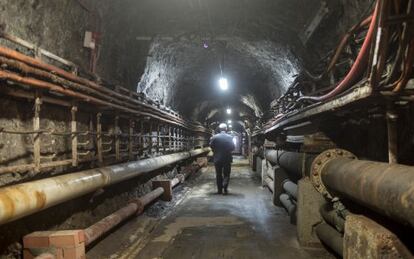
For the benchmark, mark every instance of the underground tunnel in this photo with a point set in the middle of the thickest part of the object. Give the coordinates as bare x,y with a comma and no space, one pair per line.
116,119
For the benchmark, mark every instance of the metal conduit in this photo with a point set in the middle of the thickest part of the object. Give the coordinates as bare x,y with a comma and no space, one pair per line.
329,236
287,203
385,188
291,188
294,163
20,200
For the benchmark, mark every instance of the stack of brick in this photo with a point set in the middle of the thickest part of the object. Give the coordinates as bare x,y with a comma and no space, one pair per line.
67,244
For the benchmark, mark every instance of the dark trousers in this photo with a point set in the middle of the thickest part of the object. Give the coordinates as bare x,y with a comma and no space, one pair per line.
222,175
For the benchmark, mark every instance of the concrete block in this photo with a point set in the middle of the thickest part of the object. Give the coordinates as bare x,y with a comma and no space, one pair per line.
259,165
364,238
167,186
279,176
263,170
308,216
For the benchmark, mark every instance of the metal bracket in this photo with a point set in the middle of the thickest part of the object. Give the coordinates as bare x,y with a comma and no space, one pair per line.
319,164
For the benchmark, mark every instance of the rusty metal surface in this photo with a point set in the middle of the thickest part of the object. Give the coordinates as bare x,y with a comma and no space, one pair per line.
365,238
98,229
385,188
359,93
20,200
150,197
319,164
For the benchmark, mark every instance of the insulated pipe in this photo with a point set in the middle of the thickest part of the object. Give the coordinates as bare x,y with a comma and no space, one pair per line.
98,229
385,188
291,188
329,236
20,200
294,163
287,203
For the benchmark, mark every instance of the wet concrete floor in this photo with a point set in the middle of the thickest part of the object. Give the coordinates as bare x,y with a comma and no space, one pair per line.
202,224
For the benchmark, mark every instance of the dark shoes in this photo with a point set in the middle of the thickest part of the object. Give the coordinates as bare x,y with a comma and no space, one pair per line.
224,192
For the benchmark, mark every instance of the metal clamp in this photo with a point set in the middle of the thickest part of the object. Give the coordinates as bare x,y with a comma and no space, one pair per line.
319,164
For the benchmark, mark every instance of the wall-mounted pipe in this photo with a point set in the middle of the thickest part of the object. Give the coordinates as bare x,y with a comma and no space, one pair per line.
20,200
329,236
291,188
294,163
385,188
287,203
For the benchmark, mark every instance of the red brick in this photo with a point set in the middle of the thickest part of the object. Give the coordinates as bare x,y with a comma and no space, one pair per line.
77,252
36,240
27,254
66,238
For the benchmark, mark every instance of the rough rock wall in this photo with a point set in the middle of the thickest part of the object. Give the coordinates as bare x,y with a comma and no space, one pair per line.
57,26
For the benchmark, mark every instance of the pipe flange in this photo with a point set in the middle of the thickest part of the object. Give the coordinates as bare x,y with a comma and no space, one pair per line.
319,164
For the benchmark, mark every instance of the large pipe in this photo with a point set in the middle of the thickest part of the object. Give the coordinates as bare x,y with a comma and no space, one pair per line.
24,199
98,229
294,163
287,203
329,236
291,188
386,188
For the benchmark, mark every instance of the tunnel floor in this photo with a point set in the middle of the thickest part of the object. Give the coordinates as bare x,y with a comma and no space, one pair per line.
202,224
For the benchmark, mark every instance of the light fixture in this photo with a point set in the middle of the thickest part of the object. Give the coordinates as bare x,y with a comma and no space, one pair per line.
228,111
229,121
223,83
230,126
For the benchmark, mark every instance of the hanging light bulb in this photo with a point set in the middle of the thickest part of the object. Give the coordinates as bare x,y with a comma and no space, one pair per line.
224,84
228,110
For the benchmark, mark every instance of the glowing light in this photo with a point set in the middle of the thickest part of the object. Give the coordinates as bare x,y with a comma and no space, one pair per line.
235,141
230,126
228,111
224,84
229,121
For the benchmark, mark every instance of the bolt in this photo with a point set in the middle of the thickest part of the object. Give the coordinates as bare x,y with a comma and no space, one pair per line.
340,152
319,162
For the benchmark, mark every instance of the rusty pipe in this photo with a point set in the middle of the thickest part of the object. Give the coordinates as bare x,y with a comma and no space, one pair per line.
385,188
103,226
12,54
20,200
67,92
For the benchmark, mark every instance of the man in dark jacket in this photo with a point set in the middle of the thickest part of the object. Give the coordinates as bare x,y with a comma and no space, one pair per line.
222,145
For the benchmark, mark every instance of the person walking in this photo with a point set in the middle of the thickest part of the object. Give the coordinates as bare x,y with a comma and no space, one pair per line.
222,145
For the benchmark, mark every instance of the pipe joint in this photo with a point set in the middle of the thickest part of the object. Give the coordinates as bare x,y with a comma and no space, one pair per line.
319,164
